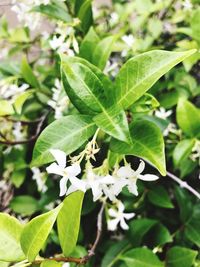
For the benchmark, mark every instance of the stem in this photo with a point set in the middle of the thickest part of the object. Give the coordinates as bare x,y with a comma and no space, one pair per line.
183,184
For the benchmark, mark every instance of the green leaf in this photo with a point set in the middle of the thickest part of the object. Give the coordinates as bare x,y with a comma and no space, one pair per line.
159,197
85,15
54,11
6,108
114,122
88,45
83,87
188,118
51,263
192,226
138,229
10,231
28,74
159,235
195,21
24,205
179,256
147,143
139,73
184,203
36,231
69,221
141,257
21,99
182,150
103,50
114,252
85,98
66,134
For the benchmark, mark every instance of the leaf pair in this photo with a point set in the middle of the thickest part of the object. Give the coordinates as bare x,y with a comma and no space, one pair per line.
19,242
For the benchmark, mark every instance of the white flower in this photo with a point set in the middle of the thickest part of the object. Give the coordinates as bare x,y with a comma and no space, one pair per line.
99,184
11,90
162,113
118,217
129,40
114,18
132,176
68,173
187,5
38,176
58,102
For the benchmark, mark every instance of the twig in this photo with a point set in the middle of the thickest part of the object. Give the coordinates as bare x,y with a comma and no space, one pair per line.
32,138
183,184
91,252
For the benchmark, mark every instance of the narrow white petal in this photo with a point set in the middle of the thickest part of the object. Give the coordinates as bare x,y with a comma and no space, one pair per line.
55,168
112,212
112,224
141,167
63,186
132,187
123,224
125,172
96,191
79,184
120,206
108,179
59,156
148,177
71,189
73,170
128,216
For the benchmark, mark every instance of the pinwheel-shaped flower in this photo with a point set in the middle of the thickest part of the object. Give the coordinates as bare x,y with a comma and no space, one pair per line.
132,176
119,217
68,173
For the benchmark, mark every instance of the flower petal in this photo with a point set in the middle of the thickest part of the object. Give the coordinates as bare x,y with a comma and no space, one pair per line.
141,167
148,177
128,216
55,168
125,171
123,224
112,224
79,184
73,170
60,157
63,186
96,191
132,187
112,212
108,179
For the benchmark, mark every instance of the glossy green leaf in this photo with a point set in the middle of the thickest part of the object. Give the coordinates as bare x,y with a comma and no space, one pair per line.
179,256
147,143
85,15
141,257
188,118
6,108
10,231
138,74
88,45
24,205
159,197
114,122
103,50
192,226
182,150
54,11
138,229
83,98
114,252
36,232
51,263
69,221
66,134
83,87
158,235
28,74
21,99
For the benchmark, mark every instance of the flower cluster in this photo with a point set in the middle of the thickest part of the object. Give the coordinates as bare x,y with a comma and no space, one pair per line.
59,101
